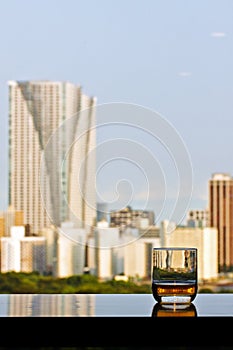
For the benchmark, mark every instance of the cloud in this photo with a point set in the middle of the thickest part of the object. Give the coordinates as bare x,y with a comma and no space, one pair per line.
185,74
218,34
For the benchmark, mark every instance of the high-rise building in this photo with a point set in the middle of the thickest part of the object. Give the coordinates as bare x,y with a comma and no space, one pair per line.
51,153
221,217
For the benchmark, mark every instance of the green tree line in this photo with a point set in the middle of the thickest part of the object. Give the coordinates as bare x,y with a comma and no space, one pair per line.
34,283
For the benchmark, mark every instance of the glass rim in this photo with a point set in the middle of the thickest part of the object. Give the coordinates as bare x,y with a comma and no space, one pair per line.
175,248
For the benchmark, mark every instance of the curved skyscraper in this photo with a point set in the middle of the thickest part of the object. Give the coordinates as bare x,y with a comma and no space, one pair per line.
52,142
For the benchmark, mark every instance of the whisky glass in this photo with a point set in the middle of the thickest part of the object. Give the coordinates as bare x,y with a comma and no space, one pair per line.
174,275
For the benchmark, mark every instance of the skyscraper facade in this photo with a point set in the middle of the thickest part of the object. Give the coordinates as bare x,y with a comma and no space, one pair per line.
51,153
221,217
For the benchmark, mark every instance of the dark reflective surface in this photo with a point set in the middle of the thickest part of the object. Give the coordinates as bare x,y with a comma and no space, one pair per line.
109,305
112,320
174,310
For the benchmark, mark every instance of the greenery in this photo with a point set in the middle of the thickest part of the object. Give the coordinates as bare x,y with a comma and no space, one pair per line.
34,283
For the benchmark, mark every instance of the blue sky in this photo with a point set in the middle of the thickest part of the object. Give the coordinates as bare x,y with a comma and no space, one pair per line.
173,57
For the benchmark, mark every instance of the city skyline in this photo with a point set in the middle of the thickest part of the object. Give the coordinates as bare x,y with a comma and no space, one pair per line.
177,63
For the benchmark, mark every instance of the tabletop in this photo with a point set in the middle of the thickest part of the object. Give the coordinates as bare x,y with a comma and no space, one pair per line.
108,305
114,320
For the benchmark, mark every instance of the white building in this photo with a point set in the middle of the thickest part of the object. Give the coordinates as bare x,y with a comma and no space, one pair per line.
126,254
22,254
51,172
134,259
71,250
10,255
51,236
106,239
138,253
204,239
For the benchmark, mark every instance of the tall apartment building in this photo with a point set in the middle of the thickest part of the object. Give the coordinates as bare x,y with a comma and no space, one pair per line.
51,138
221,217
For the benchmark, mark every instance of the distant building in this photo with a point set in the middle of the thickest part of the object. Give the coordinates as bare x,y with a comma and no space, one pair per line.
221,217
33,254
71,250
128,217
106,240
44,191
102,212
198,218
8,218
138,255
152,232
2,226
204,239
10,255
103,223
129,255
22,254
51,237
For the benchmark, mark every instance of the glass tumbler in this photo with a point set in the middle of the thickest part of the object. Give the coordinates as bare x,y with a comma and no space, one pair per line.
174,275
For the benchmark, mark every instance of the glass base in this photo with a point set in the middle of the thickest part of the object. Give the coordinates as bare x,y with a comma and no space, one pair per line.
175,300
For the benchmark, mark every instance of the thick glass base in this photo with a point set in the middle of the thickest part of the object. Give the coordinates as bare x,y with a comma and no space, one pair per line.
175,300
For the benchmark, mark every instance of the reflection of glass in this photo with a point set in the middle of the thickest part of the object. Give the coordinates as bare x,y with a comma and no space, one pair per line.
174,275
174,310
